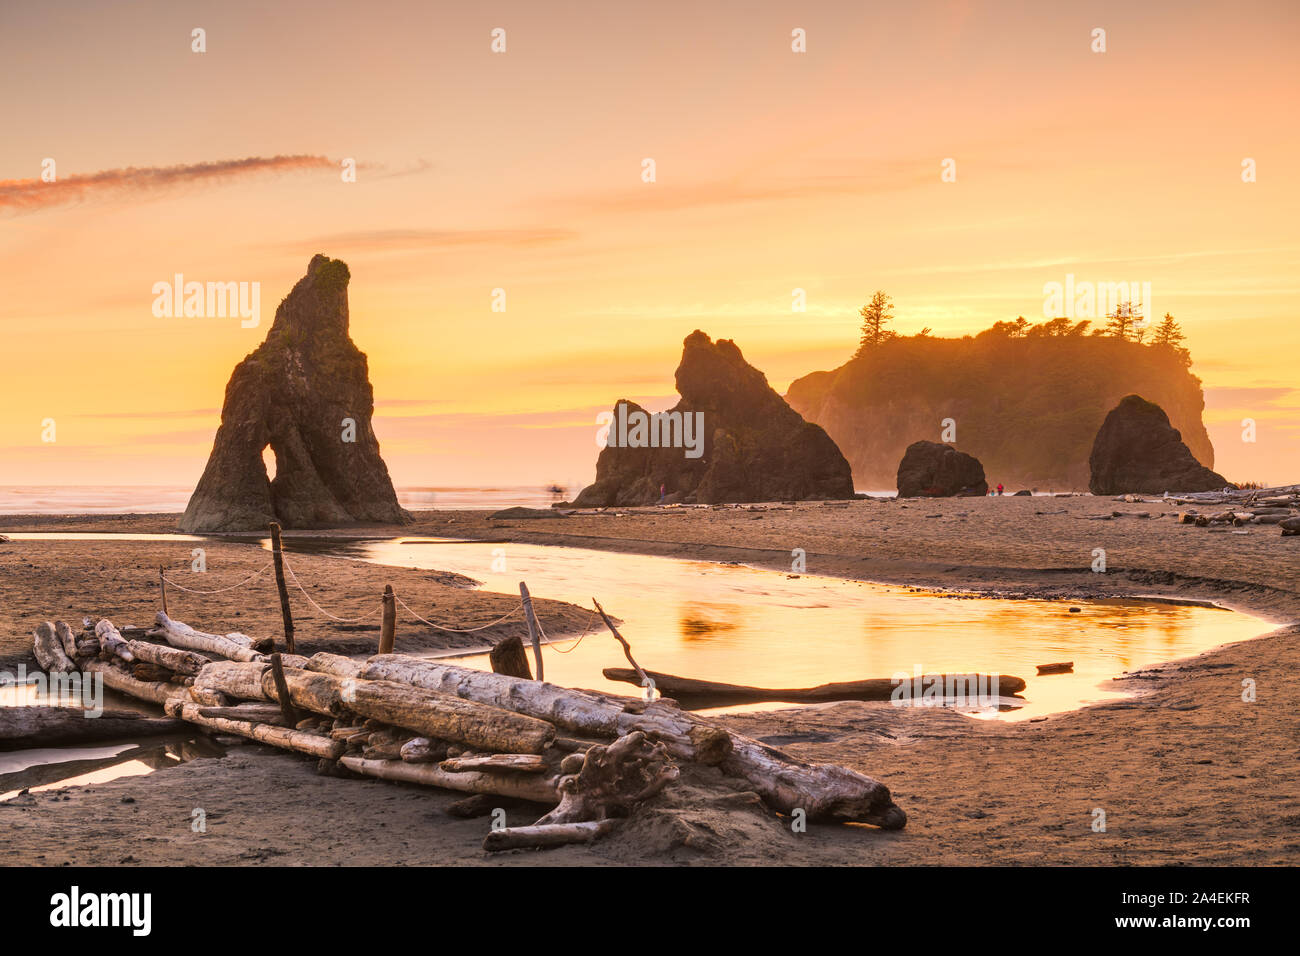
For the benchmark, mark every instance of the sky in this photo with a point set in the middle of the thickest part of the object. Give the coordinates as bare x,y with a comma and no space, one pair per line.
523,171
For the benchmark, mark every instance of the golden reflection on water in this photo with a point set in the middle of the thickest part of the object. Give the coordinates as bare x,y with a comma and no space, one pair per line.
765,628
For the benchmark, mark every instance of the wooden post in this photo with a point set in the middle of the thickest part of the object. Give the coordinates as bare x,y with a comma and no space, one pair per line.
387,632
282,691
509,657
279,583
162,586
531,617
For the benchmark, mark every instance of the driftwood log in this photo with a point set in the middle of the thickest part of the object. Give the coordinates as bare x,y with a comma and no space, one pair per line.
24,727
499,763
317,745
156,692
509,657
825,792
172,658
610,781
236,647
524,786
49,650
541,836
693,693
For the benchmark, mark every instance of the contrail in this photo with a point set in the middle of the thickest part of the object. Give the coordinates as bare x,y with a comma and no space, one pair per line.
29,195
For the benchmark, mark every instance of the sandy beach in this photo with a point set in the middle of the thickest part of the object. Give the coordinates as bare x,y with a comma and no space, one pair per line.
1183,752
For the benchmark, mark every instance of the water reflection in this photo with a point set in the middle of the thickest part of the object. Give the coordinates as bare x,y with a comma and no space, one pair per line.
761,628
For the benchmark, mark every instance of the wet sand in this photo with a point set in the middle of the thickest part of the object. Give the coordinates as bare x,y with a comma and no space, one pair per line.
1187,772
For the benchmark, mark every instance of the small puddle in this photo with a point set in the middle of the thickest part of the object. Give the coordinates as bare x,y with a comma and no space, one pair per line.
52,768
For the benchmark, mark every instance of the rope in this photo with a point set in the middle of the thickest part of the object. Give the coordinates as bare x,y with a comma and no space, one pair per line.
220,590
312,602
585,631
458,630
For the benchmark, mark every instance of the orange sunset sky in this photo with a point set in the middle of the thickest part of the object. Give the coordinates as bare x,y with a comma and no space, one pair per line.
522,170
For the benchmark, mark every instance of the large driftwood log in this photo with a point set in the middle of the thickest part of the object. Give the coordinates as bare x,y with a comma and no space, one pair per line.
822,791
285,737
541,836
23,727
236,647
49,650
690,692
523,786
429,713
172,658
238,679
448,717
156,691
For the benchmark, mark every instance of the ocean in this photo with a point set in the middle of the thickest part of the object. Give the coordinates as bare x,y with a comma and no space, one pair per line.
170,499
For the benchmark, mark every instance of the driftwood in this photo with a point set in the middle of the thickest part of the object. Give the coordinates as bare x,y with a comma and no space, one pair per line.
822,791
315,744
509,657
172,658
706,693
610,781
111,643
541,836
423,750
49,650
523,786
119,680
236,647
1063,667
24,727
238,679
448,717
67,639
500,763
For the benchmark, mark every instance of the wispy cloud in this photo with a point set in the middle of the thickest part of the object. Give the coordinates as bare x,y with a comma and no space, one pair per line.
31,195
380,240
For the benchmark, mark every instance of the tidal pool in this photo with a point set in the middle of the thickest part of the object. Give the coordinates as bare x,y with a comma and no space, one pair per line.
744,625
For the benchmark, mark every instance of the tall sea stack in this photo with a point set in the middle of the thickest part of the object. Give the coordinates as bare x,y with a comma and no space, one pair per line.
305,392
751,445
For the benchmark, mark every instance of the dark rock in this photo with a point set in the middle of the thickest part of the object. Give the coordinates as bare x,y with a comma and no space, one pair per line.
293,393
520,512
746,443
1137,450
1023,493
930,469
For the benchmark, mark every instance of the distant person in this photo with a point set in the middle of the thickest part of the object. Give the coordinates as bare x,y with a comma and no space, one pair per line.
661,492
999,489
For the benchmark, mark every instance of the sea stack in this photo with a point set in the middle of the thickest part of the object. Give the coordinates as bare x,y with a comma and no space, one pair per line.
305,392
931,469
731,438
1138,451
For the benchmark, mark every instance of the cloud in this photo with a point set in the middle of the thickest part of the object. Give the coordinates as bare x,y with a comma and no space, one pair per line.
31,195
1246,397
379,240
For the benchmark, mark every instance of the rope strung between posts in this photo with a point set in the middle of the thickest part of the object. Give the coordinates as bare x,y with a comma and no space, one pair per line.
312,602
219,590
459,630
585,631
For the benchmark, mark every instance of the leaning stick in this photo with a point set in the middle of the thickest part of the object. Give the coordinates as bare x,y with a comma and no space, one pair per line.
627,649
